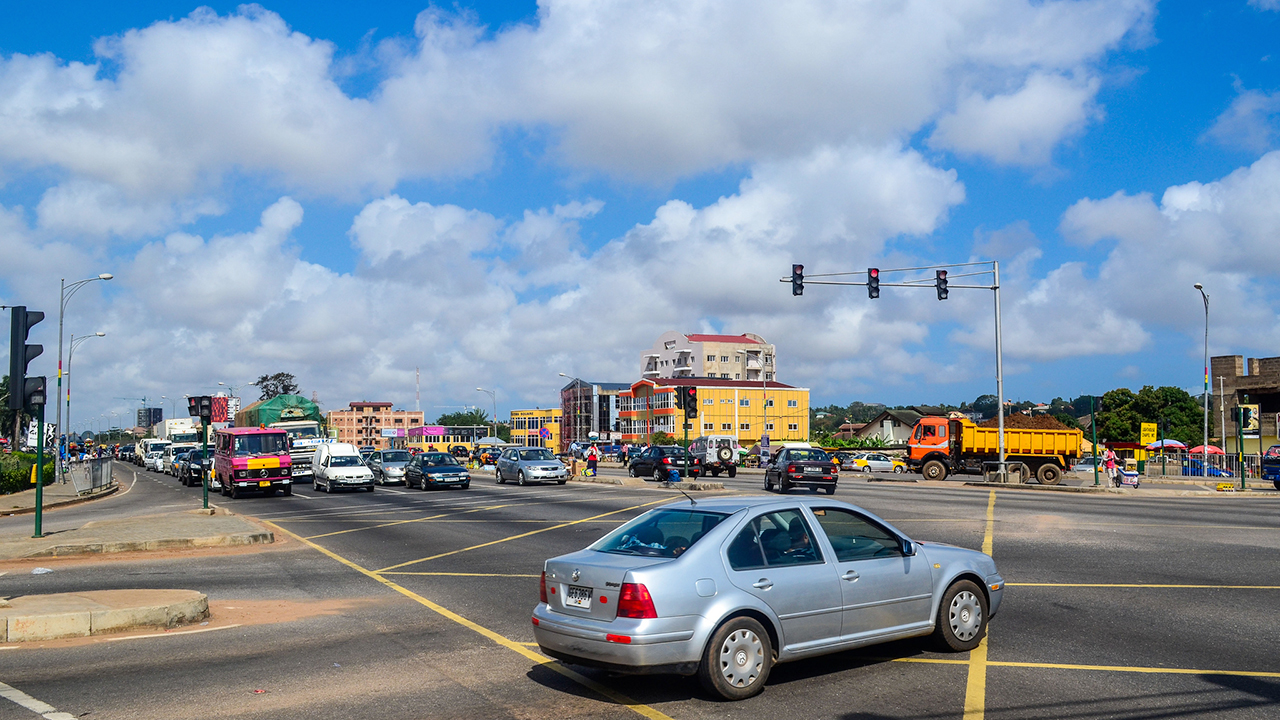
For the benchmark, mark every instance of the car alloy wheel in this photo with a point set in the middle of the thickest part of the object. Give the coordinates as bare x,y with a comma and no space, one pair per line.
962,617
520,479
737,660
897,469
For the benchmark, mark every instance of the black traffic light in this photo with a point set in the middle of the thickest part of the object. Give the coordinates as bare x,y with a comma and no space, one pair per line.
873,283
21,354
1246,417
797,279
941,282
690,394
200,406
33,391
679,399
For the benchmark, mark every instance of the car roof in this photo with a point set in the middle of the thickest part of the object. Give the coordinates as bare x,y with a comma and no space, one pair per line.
734,504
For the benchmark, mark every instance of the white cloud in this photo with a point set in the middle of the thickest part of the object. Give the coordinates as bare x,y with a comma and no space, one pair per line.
92,209
1249,123
1022,127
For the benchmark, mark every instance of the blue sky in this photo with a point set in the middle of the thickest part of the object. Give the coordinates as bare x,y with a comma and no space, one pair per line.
496,194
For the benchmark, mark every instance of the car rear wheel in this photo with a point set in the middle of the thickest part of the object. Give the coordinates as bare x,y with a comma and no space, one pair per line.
962,617
784,487
1049,474
897,469
737,661
831,490
733,471
631,471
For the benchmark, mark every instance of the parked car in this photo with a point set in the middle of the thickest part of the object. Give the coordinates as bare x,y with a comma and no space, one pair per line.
879,462
338,466
153,461
531,464
1085,464
436,469
778,579
1194,467
656,460
388,466
179,464
801,467
717,454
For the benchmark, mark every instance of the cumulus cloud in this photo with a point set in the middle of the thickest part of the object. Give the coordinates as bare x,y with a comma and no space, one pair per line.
1249,123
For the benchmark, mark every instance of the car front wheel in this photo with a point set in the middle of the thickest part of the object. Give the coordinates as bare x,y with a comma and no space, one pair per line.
962,617
737,660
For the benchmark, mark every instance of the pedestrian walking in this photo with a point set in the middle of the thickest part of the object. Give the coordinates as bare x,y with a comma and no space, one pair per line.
1109,457
593,459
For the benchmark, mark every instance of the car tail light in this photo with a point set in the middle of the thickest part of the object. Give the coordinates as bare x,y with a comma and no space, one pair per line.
622,639
542,588
792,469
666,461
634,601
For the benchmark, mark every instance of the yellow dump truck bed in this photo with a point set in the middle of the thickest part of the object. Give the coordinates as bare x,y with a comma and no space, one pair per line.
986,441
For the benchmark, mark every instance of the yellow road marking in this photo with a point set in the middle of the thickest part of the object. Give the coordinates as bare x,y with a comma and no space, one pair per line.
1130,669
1144,585
460,574
402,522
523,535
975,691
610,693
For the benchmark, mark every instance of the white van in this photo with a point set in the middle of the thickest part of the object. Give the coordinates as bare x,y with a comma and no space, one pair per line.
338,466
169,453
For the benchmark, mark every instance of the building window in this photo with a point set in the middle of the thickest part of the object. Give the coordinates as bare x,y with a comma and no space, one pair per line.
768,359
688,426
737,358
724,376
744,426
768,426
724,358
793,403
744,402
708,426
726,426
711,358
737,376
768,403
768,376
793,426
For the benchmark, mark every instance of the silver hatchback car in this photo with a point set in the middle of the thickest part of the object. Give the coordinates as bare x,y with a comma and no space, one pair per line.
727,587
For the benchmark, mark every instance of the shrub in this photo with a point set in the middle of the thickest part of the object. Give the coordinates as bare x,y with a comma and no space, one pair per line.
15,472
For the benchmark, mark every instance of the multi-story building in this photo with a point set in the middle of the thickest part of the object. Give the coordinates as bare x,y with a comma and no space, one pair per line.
589,407
1258,390
724,357
745,410
373,424
536,428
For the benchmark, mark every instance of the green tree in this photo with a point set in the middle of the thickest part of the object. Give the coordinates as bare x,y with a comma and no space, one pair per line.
7,416
282,383
986,406
662,438
467,418
1122,413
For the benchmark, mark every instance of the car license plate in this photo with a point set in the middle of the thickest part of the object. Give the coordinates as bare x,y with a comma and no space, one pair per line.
813,470
579,597
264,483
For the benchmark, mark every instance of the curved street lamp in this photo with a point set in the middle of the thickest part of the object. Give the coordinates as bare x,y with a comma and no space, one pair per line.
1205,461
494,395
71,352
64,296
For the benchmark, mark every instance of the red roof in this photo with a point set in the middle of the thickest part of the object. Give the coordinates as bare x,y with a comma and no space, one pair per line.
722,338
713,382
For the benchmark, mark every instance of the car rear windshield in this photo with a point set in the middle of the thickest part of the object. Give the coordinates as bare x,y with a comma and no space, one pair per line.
661,533
537,454
672,451
818,455
395,456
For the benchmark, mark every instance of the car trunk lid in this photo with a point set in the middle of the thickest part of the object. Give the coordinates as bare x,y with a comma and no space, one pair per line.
587,583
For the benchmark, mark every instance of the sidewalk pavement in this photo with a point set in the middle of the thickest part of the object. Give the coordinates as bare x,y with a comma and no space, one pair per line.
168,531
63,615
55,495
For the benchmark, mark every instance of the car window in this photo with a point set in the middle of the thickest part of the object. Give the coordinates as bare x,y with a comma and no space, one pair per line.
810,454
854,537
345,461
537,454
661,533
774,539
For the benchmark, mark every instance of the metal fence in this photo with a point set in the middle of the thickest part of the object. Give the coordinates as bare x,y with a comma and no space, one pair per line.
91,475
1220,466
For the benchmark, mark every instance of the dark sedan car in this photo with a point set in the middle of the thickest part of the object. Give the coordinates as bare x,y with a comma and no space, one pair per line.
193,469
801,467
658,460
436,469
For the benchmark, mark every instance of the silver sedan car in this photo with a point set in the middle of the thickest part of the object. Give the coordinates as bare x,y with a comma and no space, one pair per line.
529,465
727,587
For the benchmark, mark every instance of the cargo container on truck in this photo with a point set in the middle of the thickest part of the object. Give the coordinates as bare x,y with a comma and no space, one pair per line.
940,447
304,436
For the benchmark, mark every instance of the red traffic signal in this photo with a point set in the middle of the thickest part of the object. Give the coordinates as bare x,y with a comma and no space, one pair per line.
873,283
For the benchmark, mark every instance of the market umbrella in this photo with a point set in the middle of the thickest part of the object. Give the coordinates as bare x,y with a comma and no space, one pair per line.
1213,450
1167,444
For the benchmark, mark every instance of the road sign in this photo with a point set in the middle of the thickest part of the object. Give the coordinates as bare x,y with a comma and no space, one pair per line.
545,433
1149,434
1250,428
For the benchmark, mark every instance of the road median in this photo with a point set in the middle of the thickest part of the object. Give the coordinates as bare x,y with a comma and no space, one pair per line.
194,529
28,618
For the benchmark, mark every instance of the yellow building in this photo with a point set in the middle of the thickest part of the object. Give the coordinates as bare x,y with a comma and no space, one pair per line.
536,428
741,409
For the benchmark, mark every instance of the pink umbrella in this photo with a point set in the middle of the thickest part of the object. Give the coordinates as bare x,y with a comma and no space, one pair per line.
1213,450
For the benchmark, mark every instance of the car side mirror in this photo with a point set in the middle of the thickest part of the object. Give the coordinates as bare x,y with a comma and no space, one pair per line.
908,548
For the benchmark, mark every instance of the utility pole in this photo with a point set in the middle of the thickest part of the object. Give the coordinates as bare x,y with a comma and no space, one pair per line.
417,390
1222,410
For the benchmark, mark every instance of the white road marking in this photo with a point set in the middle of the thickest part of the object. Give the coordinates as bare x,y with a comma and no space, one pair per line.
42,709
170,634
393,492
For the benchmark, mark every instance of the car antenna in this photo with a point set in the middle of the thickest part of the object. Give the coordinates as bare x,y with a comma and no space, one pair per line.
692,502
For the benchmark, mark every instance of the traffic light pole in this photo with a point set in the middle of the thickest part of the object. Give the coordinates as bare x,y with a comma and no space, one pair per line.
39,471
204,454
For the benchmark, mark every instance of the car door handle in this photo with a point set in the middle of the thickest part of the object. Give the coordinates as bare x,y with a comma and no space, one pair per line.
762,584
851,576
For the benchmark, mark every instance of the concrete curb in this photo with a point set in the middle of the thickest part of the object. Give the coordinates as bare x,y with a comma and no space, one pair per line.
1047,488
66,503
691,485
894,479
92,548
93,613
599,480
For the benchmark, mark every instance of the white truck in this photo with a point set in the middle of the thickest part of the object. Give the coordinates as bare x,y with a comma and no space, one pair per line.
304,436
179,430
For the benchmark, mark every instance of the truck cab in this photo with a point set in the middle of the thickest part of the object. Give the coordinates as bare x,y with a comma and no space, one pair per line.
930,441
304,437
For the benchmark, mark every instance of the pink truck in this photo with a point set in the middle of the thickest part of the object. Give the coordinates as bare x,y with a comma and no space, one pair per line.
252,459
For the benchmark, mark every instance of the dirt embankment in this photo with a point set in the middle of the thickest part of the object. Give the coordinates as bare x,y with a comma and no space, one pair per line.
1027,422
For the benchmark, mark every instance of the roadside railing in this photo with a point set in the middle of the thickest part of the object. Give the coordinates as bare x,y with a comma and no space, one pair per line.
91,475
1182,465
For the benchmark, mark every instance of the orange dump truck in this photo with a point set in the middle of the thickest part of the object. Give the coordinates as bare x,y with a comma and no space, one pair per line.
942,447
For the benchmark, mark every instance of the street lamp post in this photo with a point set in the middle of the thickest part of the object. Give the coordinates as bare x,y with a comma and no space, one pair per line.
493,394
64,295
71,352
1205,456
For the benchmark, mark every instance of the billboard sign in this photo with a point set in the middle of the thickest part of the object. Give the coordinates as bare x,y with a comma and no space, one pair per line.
1149,434
1250,429
393,432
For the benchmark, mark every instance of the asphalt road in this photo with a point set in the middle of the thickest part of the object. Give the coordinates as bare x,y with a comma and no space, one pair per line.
1116,607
